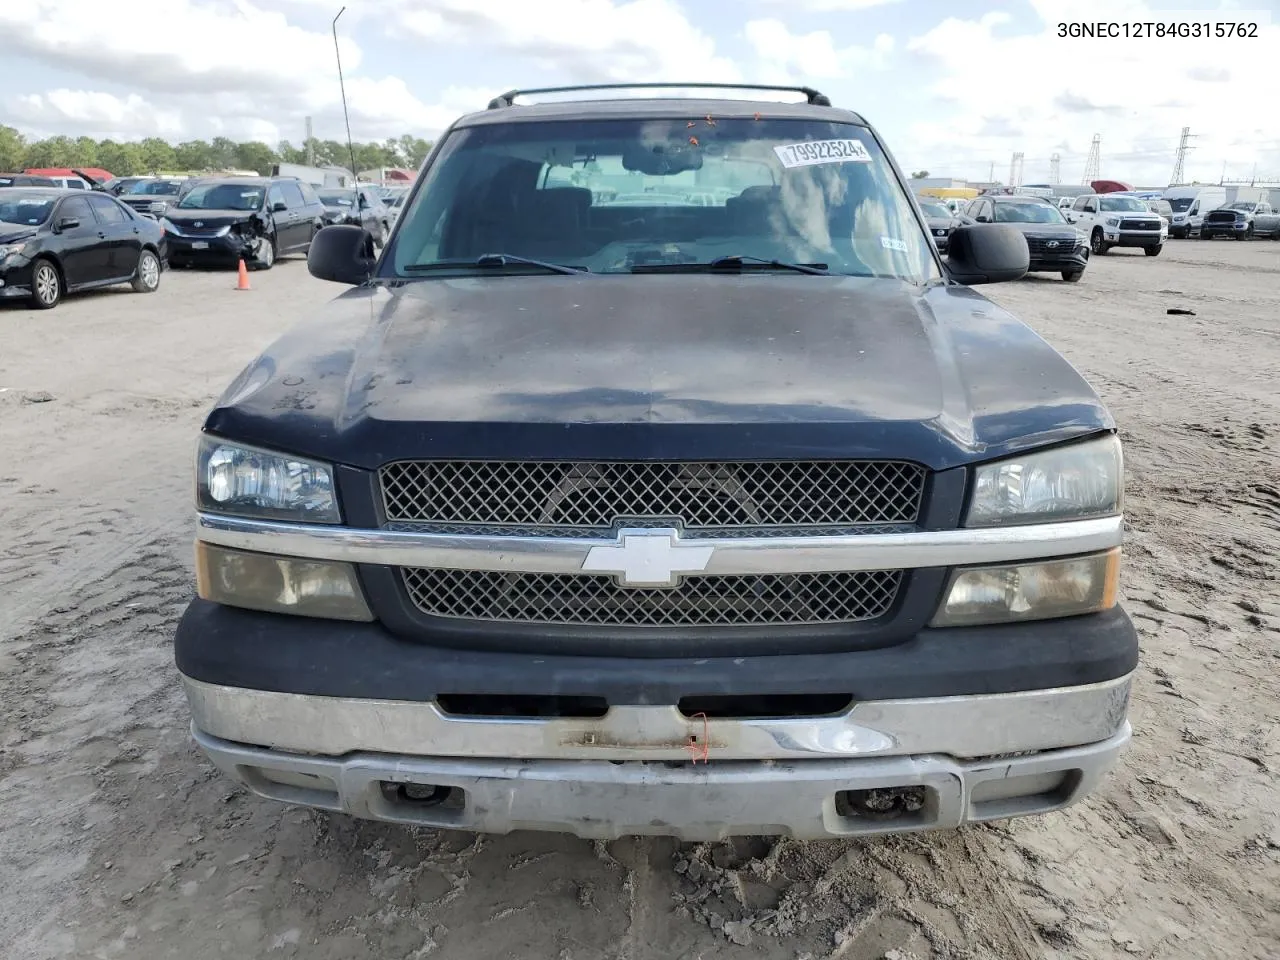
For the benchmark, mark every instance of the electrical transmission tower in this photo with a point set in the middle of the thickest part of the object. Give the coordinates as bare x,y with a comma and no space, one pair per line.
1179,165
1055,169
1093,166
1015,170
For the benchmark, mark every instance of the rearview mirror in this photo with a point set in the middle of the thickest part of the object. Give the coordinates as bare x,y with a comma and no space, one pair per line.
988,253
661,159
343,254
67,223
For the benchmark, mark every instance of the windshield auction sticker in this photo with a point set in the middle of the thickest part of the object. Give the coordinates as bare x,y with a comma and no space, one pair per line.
821,151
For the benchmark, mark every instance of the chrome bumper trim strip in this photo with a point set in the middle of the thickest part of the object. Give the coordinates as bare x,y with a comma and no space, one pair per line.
731,556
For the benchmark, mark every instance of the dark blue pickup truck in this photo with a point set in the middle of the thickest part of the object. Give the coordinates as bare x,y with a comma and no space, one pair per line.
660,477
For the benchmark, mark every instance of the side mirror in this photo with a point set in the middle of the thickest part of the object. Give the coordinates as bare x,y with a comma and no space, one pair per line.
981,219
342,254
279,207
67,223
995,253
1071,218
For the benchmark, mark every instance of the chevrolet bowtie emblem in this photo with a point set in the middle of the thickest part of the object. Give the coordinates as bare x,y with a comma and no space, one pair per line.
650,558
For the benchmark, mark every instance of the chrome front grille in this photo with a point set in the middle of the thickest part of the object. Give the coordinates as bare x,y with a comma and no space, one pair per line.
764,599
572,498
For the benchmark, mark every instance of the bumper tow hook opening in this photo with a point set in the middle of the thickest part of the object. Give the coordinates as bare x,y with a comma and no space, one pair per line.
416,794
884,803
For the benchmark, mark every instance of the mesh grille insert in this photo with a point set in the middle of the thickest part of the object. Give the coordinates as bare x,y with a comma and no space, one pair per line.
701,495
696,601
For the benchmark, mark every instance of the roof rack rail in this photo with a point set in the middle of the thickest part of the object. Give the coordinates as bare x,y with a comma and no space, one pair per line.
508,99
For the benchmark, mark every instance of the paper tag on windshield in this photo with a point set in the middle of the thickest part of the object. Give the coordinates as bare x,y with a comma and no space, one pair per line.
891,243
821,151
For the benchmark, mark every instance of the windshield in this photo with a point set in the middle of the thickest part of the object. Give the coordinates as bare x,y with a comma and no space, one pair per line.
30,209
1182,204
619,194
935,210
338,198
1241,205
223,196
1122,205
156,188
1028,212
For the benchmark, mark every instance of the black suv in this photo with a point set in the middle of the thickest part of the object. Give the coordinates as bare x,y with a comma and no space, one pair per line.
255,219
1054,244
659,477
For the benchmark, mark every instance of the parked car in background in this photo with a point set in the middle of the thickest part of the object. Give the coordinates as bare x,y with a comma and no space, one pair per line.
1164,210
941,220
118,185
25,180
71,182
1242,220
257,219
1189,205
1054,244
361,206
55,241
1118,221
153,196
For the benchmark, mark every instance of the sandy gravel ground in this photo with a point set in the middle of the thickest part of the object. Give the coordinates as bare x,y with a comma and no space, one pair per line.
118,840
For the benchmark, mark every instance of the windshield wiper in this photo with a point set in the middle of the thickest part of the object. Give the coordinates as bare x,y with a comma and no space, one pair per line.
731,263
494,260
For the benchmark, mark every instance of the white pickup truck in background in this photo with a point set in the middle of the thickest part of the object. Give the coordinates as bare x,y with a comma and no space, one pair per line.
1118,221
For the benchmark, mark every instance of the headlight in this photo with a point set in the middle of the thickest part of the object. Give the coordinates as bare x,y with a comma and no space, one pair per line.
1074,482
1113,221
1031,591
236,479
158,206
167,225
7,249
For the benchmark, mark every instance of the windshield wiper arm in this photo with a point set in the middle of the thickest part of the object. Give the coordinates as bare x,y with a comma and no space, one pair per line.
729,263
491,260
737,260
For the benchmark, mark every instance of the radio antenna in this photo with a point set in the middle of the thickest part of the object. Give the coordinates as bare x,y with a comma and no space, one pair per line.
342,87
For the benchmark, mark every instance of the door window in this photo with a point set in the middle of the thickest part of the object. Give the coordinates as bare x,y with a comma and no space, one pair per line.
276,195
309,195
107,210
292,195
77,207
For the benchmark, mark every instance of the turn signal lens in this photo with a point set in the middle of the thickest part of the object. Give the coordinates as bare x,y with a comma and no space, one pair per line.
260,581
1037,591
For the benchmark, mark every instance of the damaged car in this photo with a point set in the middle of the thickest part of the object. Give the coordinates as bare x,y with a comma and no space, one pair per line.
255,219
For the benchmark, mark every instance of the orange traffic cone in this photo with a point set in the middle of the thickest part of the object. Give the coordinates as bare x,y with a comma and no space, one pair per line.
243,283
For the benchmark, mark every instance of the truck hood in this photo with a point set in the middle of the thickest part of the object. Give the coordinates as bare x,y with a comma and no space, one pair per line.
658,367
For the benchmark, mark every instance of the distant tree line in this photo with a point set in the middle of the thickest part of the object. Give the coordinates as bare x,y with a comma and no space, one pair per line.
124,158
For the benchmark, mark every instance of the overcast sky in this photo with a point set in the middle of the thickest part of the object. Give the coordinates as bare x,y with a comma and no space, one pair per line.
954,86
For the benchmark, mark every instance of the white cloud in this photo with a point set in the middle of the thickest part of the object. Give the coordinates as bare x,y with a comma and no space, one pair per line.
93,114
224,67
1040,93
590,40
828,6
791,57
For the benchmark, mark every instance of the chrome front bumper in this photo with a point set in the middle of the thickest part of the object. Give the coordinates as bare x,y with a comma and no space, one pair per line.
651,770
599,799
